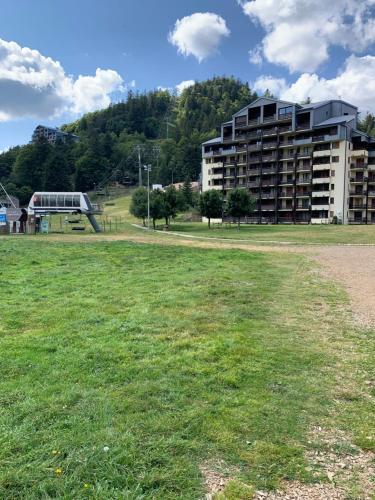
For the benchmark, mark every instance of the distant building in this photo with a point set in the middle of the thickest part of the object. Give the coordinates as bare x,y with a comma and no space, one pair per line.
302,164
52,135
194,186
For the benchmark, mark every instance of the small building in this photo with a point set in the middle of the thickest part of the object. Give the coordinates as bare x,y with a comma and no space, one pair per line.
194,186
52,135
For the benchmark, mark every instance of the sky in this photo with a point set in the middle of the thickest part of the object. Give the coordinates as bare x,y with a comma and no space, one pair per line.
59,60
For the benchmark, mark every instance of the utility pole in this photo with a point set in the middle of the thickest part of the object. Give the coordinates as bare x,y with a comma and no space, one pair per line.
139,151
148,170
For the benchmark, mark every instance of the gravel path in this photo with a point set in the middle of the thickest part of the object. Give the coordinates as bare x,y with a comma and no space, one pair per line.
354,268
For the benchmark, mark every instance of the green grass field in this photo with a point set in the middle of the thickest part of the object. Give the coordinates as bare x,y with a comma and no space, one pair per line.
117,219
124,367
300,234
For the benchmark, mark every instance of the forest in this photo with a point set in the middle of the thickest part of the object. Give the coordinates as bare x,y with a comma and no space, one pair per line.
166,129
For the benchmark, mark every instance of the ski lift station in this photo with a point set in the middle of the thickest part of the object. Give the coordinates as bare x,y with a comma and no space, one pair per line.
46,203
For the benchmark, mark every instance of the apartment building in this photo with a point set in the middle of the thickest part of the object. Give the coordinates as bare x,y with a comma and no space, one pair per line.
302,163
52,135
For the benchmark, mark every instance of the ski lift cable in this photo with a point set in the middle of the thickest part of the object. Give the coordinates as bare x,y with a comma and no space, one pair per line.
7,195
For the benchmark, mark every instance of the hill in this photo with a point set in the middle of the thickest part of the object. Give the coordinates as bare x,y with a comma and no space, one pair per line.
169,129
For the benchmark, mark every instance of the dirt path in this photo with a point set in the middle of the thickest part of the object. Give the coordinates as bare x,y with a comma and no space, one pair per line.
354,268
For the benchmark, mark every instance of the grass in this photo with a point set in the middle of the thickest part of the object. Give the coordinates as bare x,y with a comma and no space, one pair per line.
300,234
122,220
124,367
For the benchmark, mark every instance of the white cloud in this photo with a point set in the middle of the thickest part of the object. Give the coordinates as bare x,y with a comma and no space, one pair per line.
184,85
255,56
32,85
199,35
355,84
299,33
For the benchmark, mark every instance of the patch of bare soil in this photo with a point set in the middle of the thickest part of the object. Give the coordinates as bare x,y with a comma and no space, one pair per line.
216,475
354,268
348,469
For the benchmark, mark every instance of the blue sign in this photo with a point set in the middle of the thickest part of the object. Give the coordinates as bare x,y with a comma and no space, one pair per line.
3,219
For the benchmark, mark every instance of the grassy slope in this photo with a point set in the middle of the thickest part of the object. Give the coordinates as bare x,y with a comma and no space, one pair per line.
168,358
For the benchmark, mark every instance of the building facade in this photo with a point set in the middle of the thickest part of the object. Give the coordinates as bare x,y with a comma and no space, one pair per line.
52,135
302,163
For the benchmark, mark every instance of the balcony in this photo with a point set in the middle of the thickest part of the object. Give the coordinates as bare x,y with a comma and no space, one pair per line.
320,194
303,194
268,183
228,151
286,194
286,169
253,171
358,193
286,128
268,158
272,131
301,168
304,180
357,220
357,206
268,196
290,142
288,155
254,147
358,165
286,182
269,170
322,206
254,135
371,194
253,184
303,126
321,180
254,159
358,180
267,119
303,207
254,121
299,142
359,153
323,152
269,145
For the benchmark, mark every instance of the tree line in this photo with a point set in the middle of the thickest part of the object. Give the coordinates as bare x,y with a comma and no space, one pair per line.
210,204
168,128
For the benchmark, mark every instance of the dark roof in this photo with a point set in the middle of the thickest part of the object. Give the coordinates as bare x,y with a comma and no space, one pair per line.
336,120
217,140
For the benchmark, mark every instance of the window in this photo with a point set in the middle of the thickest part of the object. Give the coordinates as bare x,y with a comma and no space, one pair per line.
332,187
335,159
335,145
209,183
60,200
76,200
284,112
68,200
332,173
331,214
332,200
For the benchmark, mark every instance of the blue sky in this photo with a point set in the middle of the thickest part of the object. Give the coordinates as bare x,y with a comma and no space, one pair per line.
130,37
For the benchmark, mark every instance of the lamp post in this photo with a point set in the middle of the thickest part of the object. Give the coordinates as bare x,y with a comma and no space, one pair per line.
148,170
